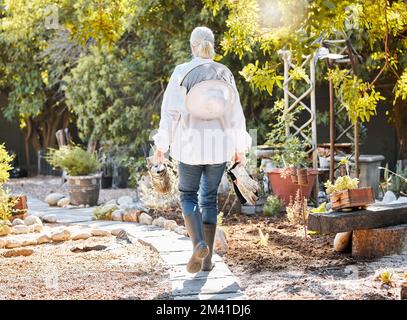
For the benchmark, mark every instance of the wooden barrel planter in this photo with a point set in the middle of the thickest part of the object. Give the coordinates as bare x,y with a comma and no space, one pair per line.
84,189
284,188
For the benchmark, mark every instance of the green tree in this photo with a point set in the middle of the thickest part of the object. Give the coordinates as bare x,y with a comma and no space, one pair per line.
40,41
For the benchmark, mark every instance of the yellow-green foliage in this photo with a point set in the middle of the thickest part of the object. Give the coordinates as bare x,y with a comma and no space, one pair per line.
5,205
104,213
386,277
341,184
5,167
264,238
74,160
359,98
401,87
320,209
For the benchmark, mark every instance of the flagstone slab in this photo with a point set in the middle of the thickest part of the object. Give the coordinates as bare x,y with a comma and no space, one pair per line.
212,296
182,257
220,270
171,244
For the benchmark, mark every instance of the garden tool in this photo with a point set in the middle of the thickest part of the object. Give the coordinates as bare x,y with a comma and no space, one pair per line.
209,233
160,178
194,226
246,188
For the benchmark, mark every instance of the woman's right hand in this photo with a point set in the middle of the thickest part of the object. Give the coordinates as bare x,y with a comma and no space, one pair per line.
159,157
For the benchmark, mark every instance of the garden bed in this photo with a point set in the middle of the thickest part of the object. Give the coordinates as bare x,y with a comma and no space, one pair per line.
292,268
287,248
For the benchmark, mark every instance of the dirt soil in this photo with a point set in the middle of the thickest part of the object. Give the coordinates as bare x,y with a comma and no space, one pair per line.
53,271
287,247
290,267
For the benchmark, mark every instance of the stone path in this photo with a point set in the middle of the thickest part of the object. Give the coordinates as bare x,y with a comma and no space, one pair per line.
174,249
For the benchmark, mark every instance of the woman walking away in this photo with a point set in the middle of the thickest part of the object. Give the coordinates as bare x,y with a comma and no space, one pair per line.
203,125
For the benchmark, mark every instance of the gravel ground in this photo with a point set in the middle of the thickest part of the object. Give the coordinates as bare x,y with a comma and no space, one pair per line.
53,271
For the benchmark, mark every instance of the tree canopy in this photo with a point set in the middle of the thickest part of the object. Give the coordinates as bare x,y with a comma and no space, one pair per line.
375,31
104,64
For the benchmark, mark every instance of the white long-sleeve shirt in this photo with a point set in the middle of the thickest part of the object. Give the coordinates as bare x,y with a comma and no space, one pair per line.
194,141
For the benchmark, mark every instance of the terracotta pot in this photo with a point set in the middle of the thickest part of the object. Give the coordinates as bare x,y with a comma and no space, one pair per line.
284,188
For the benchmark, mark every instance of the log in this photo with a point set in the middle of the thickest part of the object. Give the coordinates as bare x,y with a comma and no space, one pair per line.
379,242
372,217
403,291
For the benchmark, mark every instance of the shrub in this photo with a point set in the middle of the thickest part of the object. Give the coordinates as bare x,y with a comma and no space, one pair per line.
74,160
297,210
6,206
5,167
272,206
104,212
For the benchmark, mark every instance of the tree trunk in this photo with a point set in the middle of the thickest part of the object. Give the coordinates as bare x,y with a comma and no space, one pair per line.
40,131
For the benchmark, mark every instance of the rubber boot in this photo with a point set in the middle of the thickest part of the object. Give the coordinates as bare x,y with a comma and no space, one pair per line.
209,233
193,224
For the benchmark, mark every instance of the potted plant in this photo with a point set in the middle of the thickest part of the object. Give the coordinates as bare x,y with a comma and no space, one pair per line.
345,193
291,172
323,155
82,168
107,171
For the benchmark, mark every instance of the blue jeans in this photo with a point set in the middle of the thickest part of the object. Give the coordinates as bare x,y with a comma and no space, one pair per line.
205,179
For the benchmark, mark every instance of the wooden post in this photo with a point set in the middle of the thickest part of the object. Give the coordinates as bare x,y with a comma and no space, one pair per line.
331,128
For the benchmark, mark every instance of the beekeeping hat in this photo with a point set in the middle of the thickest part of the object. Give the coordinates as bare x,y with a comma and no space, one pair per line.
210,99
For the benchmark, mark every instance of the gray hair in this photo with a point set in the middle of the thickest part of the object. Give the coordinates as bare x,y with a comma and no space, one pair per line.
203,42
